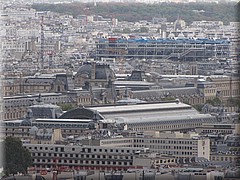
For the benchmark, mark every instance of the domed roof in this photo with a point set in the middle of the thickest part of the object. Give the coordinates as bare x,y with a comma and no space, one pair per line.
102,71
85,69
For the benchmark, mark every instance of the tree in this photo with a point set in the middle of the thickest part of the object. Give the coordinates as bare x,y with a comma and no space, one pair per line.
66,107
215,102
17,158
133,12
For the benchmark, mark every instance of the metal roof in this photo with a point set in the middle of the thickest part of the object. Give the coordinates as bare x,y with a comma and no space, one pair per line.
138,83
155,112
62,120
140,107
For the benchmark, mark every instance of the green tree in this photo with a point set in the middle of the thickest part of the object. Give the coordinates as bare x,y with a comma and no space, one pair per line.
66,107
17,158
216,101
226,12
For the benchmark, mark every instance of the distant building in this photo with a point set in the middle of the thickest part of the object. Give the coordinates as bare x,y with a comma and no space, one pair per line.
15,107
216,128
185,147
155,116
96,75
163,48
56,156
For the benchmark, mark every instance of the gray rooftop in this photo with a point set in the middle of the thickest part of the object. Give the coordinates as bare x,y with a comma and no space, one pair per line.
154,112
141,107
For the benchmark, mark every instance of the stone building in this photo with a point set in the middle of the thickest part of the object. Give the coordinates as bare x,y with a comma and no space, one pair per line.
91,75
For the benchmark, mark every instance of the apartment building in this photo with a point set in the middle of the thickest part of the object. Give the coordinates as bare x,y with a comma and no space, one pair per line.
226,157
185,147
56,156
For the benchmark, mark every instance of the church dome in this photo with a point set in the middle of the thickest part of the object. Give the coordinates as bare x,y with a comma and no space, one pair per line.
85,69
102,71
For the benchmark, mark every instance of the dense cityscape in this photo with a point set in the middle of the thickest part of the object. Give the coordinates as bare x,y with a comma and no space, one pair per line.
95,98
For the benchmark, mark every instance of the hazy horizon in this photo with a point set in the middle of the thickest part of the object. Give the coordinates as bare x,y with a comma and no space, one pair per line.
131,1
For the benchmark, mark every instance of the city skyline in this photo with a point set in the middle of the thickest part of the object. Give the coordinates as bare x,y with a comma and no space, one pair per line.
87,94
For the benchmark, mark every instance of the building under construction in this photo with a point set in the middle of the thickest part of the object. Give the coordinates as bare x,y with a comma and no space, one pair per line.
188,49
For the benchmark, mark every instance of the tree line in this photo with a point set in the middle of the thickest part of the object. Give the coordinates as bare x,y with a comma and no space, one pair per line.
133,12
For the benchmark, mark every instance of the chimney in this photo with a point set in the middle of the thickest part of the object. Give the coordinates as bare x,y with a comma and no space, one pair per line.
93,70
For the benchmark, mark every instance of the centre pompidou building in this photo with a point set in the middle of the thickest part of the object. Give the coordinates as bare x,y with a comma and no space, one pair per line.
188,49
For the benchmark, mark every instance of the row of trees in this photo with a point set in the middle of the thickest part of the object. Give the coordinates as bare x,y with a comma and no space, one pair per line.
134,12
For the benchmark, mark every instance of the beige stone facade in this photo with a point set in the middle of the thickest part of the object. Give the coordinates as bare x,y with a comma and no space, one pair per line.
182,146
